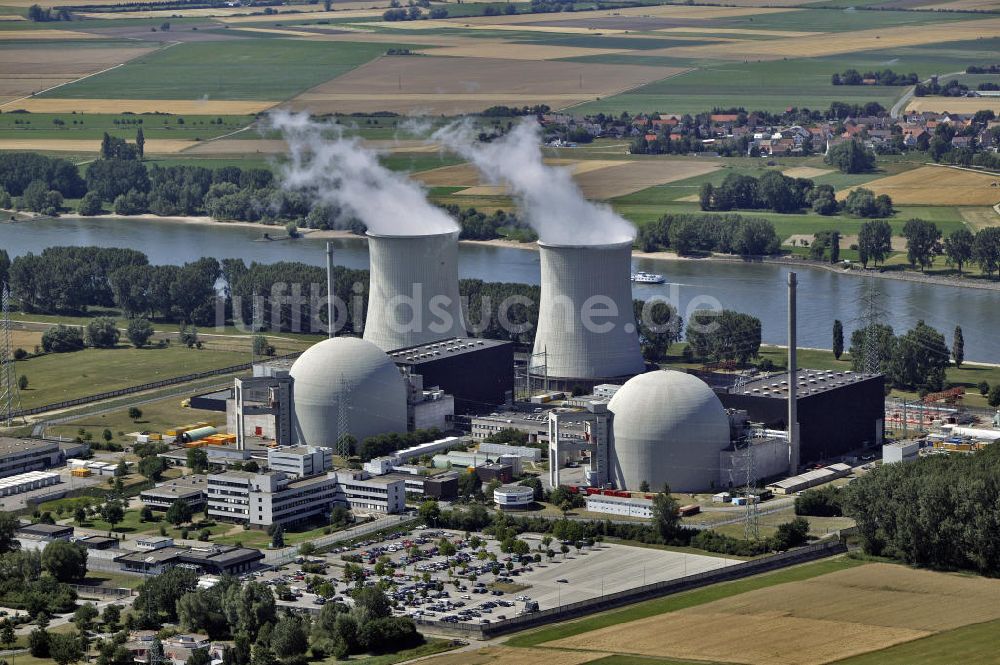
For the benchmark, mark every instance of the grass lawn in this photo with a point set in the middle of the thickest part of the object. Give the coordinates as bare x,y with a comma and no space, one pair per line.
133,524
680,601
261,540
61,376
157,416
93,126
969,645
113,580
253,69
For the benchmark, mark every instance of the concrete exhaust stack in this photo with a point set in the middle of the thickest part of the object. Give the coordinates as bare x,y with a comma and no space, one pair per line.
330,312
793,381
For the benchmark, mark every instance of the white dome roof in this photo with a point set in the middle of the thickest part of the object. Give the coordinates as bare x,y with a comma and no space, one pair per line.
668,427
352,372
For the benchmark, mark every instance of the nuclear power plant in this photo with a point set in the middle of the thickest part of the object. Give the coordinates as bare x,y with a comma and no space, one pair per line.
413,298
586,323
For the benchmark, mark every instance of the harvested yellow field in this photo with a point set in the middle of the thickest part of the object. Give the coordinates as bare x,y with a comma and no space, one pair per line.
599,179
816,621
805,172
12,17
284,32
836,43
980,218
954,104
25,35
153,146
178,106
658,11
25,339
439,24
236,14
435,84
514,656
937,185
279,147
346,13
26,71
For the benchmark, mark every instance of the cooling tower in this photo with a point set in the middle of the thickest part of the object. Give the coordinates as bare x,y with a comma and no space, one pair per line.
577,279
413,298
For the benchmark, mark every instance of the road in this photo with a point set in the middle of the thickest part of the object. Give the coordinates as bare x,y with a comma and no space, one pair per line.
900,106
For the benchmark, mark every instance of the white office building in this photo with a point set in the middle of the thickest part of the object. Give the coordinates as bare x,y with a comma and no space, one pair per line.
379,494
619,505
300,461
23,455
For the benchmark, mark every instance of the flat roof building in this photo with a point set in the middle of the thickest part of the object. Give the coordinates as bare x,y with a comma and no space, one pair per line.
45,532
838,411
479,373
513,497
215,560
23,455
619,505
190,489
300,460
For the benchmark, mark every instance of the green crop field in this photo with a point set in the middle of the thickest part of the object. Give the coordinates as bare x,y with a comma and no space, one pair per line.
93,126
968,645
251,69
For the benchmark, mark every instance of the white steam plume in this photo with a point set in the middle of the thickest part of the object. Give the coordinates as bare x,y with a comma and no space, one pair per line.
339,171
551,202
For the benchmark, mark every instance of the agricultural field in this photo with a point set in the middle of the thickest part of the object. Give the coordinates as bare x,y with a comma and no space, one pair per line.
951,186
831,611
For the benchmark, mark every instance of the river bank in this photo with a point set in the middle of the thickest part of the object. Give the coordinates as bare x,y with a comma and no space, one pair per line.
340,234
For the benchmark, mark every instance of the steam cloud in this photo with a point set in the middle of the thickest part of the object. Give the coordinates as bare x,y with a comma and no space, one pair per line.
339,171
552,203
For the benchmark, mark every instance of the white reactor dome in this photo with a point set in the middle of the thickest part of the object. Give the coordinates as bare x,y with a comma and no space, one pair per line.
668,428
347,380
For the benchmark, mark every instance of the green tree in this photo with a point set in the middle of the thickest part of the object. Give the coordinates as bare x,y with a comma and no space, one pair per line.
371,603
993,398
112,513
79,515
22,382
838,339
62,339
289,638
140,143
64,648
919,359
884,344
151,467
139,332
922,242
199,657
958,347
102,333
65,561
430,512
85,616
644,486
851,157
725,335
90,205
278,538
134,413
8,533
874,241
958,247
38,643
666,515
112,615
197,460
986,249
7,636
705,196
179,512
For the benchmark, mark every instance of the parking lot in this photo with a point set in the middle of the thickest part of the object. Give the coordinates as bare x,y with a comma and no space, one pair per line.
479,583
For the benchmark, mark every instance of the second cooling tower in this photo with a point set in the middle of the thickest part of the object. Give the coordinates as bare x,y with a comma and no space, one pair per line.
586,323
413,298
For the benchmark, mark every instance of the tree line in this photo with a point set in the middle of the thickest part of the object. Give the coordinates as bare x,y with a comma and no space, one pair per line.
692,234
884,77
938,511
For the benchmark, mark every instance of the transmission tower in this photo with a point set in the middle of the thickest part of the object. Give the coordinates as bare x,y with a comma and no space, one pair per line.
751,519
10,393
343,406
871,316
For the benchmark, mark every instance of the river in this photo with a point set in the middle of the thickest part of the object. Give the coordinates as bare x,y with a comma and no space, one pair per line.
757,289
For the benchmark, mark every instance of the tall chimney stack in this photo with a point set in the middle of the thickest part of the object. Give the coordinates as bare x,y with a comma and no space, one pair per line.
330,311
793,381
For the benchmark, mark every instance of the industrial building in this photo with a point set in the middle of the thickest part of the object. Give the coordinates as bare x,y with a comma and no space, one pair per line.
478,373
586,332
900,451
413,297
535,425
26,482
810,479
513,497
623,506
215,560
190,489
838,411
45,532
300,460
502,449
24,455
